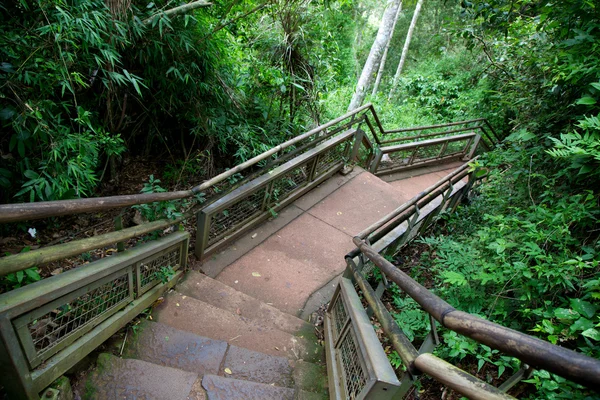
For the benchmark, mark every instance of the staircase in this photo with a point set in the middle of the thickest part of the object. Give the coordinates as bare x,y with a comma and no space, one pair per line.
210,341
239,330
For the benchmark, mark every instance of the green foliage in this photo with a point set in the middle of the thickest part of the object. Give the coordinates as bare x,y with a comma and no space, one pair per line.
159,209
525,253
582,151
165,274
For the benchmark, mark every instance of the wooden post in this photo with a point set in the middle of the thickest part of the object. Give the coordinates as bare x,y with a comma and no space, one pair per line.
202,232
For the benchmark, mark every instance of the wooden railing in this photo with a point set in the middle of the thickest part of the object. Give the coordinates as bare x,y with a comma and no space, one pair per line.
386,237
224,210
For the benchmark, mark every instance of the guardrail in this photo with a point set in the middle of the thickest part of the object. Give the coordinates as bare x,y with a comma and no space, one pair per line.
48,326
272,180
387,236
250,204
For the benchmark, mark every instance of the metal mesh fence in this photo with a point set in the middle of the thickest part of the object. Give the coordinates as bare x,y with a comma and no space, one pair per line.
331,157
150,267
456,147
397,158
66,320
339,316
354,371
235,215
429,152
288,183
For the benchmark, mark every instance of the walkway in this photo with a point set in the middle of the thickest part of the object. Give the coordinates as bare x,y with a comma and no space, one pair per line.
238,330
291,262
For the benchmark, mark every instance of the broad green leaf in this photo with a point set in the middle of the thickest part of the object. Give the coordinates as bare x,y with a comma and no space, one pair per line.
592,334
581,324
565,314
584,308
586,100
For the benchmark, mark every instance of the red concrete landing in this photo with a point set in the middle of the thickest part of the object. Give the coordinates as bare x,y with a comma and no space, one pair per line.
294,262
307,253
410,187
359,203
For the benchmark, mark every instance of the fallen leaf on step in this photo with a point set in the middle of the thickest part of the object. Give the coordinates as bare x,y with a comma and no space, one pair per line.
256,274
56,271
228,371
253,236
111,251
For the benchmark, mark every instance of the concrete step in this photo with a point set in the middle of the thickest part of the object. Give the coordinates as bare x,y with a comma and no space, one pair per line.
221,388
304,395
164,345
248,365
189,314
211,291
117,378
311,378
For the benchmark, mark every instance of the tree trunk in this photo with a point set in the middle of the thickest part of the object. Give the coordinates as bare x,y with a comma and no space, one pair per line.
381,40
411,30
385,52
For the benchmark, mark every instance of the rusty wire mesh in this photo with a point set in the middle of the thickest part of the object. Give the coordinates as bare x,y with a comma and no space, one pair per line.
68,319
355,375
339,316
235,215
151,267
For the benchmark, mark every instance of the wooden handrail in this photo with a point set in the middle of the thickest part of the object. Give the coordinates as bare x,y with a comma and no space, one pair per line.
535,352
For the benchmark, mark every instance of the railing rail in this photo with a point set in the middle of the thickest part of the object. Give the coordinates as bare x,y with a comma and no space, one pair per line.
395,230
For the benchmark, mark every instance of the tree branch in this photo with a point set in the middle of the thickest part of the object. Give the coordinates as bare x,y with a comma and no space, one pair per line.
178,10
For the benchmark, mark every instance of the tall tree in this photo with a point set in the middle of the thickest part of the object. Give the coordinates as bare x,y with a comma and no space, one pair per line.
385,52
377,49
409,35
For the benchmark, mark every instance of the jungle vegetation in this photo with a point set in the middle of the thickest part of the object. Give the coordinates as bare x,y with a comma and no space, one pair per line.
86,84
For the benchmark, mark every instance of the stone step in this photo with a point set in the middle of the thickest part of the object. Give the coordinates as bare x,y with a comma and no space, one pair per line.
311,378
222,388
248,365
164,345
189,314
304,395
211,291
116,378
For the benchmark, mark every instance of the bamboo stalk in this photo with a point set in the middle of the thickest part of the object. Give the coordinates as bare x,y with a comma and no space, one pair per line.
22,261
458,380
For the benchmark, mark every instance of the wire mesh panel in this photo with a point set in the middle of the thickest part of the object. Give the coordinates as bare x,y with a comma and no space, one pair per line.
331,157
339,317
355,373
48,330
150,269
289,183
456,147
428,152
235,215
398,158
357,364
